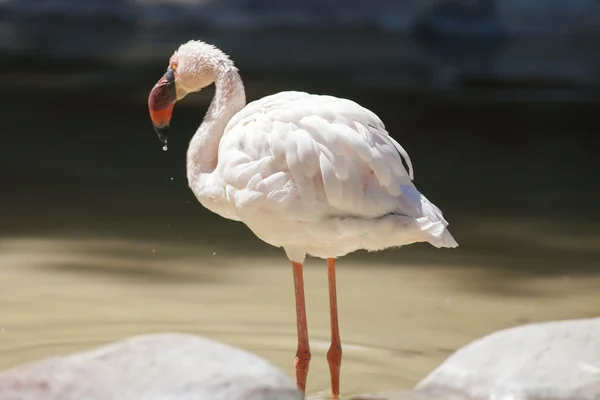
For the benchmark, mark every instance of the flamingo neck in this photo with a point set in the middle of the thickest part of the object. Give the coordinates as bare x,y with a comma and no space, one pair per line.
230,97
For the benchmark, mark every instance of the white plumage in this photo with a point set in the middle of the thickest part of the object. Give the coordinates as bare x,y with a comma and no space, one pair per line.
309,173
320,175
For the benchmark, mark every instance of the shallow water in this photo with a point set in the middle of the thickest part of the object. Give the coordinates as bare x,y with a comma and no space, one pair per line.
398,321
101,239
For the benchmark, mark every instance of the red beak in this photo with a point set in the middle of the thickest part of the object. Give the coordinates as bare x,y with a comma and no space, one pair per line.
161,102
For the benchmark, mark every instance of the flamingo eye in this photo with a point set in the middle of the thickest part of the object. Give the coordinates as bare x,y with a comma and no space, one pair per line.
173,64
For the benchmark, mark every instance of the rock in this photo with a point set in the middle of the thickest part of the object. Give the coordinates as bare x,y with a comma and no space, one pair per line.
151,367
553,360
557,360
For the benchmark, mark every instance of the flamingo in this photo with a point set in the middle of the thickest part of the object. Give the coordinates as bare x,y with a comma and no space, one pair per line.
313,174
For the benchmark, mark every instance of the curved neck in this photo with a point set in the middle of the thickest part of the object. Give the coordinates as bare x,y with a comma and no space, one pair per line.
230,97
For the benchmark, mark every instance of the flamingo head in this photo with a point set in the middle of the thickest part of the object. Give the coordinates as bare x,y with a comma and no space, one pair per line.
191,68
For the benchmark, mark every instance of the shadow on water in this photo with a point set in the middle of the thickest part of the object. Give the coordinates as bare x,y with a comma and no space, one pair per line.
164,270
120,259
515,180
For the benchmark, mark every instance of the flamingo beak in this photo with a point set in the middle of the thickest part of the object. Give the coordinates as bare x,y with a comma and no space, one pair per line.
161,102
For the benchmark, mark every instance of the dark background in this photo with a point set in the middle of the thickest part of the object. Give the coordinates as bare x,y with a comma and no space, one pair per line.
496,101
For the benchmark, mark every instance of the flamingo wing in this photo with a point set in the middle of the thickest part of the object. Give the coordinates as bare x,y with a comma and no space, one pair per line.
316,155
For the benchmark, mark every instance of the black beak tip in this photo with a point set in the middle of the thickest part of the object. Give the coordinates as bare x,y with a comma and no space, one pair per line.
162,132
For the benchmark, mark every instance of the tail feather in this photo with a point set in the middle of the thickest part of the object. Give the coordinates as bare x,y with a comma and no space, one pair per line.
436,232
428,219
445,240
434,224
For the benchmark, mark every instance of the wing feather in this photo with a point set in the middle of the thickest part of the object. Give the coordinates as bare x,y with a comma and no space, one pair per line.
322,152
307,152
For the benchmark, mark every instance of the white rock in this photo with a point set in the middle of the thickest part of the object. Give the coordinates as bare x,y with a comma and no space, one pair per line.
151,367
553,360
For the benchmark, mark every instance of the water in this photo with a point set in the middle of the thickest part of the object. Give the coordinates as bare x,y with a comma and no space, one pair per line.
103,242
397,321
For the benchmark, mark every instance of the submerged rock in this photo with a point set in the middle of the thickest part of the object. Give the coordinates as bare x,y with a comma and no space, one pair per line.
151,367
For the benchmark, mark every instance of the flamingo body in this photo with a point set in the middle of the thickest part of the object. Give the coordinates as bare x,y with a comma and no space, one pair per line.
319,175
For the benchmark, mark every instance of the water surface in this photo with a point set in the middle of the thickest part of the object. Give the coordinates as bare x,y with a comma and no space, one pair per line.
101,239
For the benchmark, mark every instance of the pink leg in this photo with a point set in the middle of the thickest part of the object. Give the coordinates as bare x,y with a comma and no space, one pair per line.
303,353
334,355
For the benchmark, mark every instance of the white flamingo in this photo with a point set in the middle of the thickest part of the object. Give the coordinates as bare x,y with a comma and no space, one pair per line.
313,174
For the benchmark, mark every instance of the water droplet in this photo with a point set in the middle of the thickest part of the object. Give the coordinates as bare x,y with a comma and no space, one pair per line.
165,148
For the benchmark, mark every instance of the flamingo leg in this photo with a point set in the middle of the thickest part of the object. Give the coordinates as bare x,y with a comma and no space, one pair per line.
334,355
303,353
